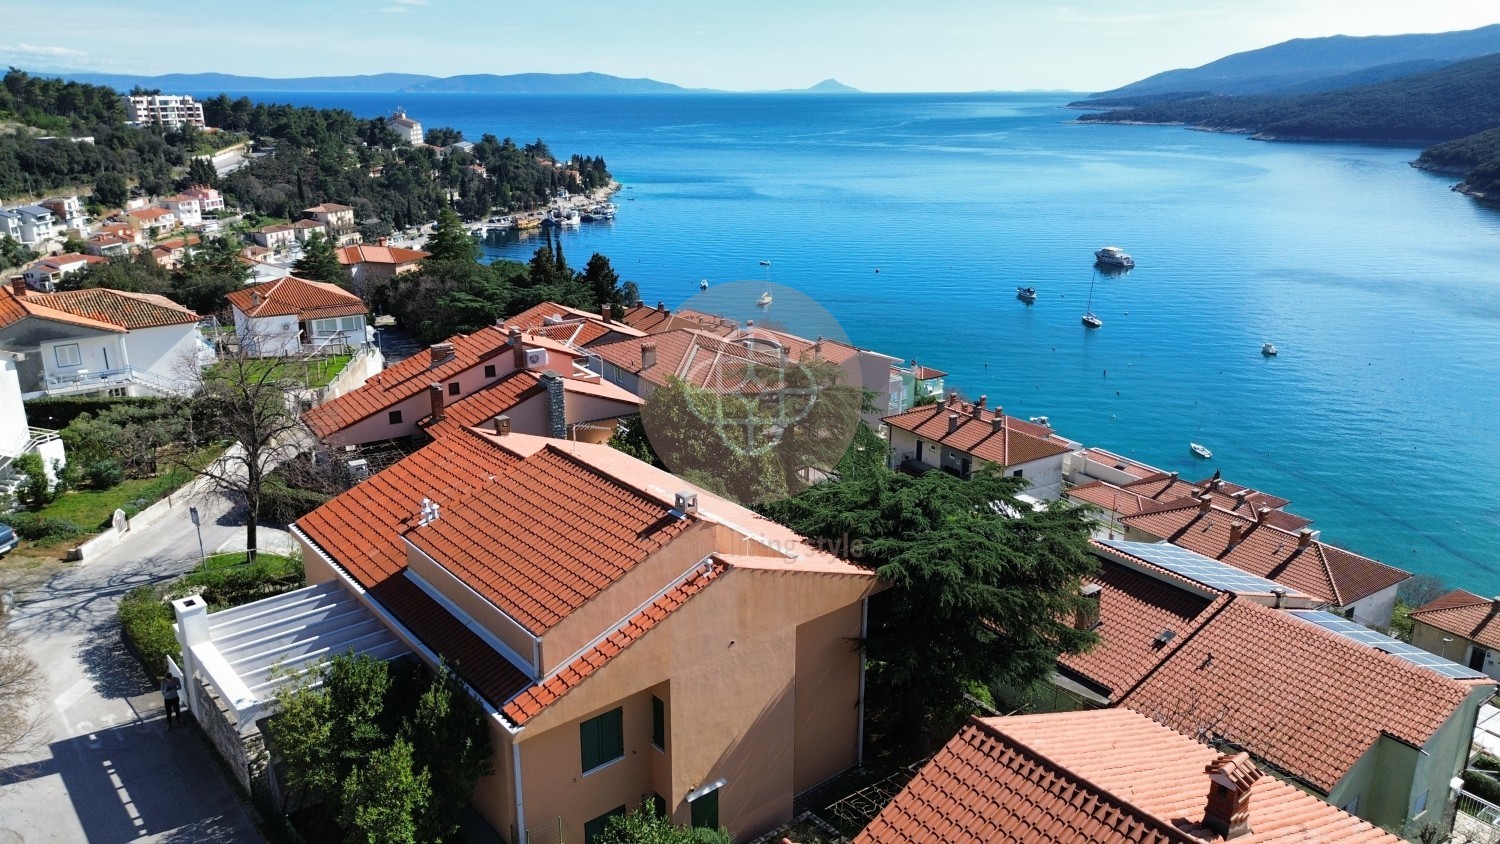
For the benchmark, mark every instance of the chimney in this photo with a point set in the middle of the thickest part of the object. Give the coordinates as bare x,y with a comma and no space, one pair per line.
435,395
982,400
1215,483
606,314
1230,778
1305,537
1239,498
1236,533
517,349
18,287
384,241
952,422
687,503
953,397
500,425
1261,513
1086,617
978,409
648,355
1280,594
1172,476
661,307
255,299
440,352
557,408
1205,502
998,423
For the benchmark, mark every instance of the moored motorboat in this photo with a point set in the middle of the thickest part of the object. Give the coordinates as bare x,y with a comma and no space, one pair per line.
1268,349
703,285
1113,256
1200,450
765,299
1026,294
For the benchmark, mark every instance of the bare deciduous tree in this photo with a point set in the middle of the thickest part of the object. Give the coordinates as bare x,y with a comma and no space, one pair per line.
20,684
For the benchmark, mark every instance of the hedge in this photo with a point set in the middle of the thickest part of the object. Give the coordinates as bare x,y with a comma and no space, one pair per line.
58,412
146,623
35,528
1481,785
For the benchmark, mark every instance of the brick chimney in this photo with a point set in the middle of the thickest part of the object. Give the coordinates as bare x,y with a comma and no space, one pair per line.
1239,498
1305,537
1261,513
1086,617
606,313
1205,502
18,287
953,397
952,422
435,395
517,349
1236,533
978,409
1230,778
982,400
648,355
440,352
500,425
998,423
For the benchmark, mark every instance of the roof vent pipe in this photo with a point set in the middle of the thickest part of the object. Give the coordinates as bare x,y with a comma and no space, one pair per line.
687,503
1280,594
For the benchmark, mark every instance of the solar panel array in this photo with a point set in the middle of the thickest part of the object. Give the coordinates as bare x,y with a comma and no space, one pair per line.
1381,642
1198,568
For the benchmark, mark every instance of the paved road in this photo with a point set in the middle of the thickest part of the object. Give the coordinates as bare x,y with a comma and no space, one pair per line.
110,771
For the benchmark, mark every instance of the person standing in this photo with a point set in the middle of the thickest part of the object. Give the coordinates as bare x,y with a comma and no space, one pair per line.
171,688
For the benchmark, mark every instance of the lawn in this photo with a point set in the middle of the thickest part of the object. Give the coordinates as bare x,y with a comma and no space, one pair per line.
91,509
312,373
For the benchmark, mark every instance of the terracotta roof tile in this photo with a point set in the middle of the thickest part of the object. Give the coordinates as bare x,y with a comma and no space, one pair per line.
371,254
1107,776
292,295
485,404
1306,700
1463,614
1017,442
538,697
538,561
926,373
1266,550
1162,490
127,310
15,308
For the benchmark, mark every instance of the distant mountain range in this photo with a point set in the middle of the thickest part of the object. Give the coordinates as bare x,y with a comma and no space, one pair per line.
1307,65
398,83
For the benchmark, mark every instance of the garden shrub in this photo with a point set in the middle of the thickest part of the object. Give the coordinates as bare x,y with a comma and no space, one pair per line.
35,490
146,623
104,474
36,528
1482,785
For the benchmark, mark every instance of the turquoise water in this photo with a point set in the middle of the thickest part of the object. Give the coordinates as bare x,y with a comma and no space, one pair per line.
1377,283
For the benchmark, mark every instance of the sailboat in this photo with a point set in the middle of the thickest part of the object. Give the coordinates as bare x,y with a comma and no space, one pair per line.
765,298
1089,320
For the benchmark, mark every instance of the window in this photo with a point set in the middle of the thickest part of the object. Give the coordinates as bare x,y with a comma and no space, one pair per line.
395,417
1017,474
68,355
595,828
489,371
706,810
602,739
659,803
1420,805
658,723
453,389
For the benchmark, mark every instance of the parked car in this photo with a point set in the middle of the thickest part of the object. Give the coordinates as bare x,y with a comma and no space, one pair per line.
8,539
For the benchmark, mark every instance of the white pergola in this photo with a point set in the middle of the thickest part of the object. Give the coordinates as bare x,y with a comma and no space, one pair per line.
248,651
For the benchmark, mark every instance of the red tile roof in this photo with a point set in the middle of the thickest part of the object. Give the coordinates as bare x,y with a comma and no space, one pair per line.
368,254
1017,442
1303,699
537,560
292,295
659,319
528,704
1324,571
57,262
1107,776
570,326
403,380
1164,490
127,310
327,207
1465,615
926,373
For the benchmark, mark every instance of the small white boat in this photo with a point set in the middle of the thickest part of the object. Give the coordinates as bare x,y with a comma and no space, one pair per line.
1268,349
1201,451
765,263
1113,256
764,300
1091,321
703,285
1040,420
1026,294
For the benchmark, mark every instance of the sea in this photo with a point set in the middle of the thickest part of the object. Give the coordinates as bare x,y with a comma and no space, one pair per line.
913,219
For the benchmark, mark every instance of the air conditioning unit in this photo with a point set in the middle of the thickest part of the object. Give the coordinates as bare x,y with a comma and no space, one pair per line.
536,358
359,469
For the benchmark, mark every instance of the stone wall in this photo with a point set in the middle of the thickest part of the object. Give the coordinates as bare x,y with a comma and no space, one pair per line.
244,754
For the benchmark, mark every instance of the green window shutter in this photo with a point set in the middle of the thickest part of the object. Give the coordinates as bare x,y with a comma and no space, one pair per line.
706,810
596,827
602,739
658,722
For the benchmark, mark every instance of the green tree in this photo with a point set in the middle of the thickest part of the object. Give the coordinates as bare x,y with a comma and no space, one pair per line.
983,589
319,262
645,826
111,190
384,797
450,241
602,280
201,172
13,254
208,275
448,739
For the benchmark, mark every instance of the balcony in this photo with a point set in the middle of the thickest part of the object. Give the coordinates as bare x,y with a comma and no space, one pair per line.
90,382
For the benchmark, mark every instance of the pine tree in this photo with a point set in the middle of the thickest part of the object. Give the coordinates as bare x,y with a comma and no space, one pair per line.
450,241
319,262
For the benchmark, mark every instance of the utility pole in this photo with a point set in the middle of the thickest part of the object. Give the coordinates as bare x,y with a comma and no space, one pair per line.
193,514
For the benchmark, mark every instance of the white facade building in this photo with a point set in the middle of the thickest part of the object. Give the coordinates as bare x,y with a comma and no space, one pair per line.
171,110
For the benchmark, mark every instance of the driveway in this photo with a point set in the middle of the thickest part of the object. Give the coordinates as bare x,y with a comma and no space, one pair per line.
109,770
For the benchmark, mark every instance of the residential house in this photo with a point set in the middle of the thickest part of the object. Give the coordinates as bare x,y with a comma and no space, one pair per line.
101,342
33,226
579,330
659,319
46,273
337,220
632,636
917,383
371,266
68,212
114,241
275,237
151,222
541,387
1460,626
170,110
1106,777
1159,489
171,253
1259,540
1370,724
185,208
960,438
17,437
209,199
409,130
294,316
302,230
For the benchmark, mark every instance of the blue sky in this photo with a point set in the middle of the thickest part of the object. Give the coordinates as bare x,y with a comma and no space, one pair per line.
875,45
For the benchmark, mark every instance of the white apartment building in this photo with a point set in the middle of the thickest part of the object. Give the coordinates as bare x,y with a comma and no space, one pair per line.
172,110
